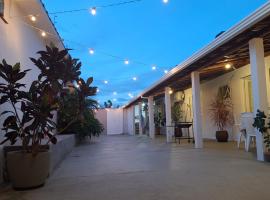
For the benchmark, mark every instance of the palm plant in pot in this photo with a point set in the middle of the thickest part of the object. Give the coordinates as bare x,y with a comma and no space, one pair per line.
29,115
264,127
221,115
177,115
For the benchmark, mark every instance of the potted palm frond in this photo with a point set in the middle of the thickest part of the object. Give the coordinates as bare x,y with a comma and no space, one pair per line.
29,115
221,115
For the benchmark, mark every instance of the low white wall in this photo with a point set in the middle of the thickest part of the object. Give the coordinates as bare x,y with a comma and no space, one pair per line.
101,115
112,120
115,121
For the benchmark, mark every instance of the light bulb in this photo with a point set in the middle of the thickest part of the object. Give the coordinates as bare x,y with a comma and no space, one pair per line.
165,1
126,62
43,34
91,51
165,71
228,66
106,82
134,78
154,68
93,11
33,18
114,93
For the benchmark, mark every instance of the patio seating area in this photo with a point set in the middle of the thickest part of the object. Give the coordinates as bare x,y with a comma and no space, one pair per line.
128,167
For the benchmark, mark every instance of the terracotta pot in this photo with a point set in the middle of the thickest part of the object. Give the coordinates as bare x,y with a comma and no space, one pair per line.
27,171
222,136
267,156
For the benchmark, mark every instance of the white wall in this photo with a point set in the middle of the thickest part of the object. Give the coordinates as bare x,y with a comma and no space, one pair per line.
112,120
115,122
101,115
19,41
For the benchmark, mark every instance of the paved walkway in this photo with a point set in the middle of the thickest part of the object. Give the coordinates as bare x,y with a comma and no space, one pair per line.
137,168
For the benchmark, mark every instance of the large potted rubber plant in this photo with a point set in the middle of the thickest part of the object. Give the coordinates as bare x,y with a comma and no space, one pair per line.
28,117
221,113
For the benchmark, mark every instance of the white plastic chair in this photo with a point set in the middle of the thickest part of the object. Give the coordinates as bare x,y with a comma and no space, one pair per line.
247,130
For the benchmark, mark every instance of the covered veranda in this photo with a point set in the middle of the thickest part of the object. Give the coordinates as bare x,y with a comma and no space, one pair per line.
239,58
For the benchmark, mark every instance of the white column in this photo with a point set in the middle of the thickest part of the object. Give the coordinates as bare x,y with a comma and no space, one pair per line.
196,104
259,86
151,117
168,111
131,120
140,119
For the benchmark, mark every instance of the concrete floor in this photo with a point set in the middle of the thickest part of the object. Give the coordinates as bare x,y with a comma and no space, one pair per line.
137,168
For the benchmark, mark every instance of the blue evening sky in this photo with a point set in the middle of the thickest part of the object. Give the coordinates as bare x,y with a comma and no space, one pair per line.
146,33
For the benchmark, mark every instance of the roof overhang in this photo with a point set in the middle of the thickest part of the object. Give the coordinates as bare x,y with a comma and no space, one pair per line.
229,47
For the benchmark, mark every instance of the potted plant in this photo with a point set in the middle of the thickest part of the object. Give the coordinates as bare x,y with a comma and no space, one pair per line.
29,117
159,122
260,124
221,114
177,115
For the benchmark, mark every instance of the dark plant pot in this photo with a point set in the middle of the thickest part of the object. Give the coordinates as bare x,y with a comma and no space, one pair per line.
222,136
158,130
267,156
26,171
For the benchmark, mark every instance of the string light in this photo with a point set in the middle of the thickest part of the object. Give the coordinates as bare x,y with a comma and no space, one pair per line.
33,18
43,34
91,51
165,1
106,82
130,95
126,62
166,71
93,11
154,68
134,78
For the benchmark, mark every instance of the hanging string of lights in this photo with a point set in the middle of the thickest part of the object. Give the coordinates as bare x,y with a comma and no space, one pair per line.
92,51
93,9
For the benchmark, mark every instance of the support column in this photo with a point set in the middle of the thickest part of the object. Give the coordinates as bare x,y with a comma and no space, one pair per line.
140,119
131,120
168,111
196,104
151,117
259,86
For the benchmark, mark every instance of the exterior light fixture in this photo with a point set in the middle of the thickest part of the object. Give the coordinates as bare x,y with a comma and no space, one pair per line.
228,66
98,90
166,71
114,93
165,1
126,62
114,99
106,82
91,51
43,34
33,18
170,92
93,11
154,68
134,78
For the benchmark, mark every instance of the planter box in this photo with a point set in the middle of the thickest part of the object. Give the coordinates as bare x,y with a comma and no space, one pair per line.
58,152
